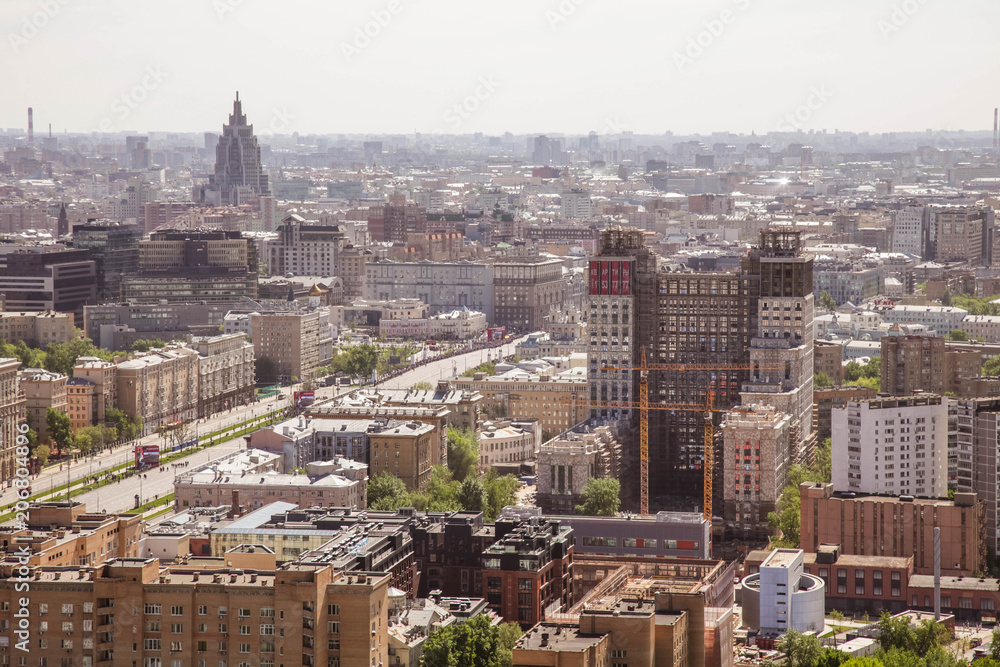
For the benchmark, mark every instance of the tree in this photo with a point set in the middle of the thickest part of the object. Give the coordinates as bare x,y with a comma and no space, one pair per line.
992,367
384,487
957,335
266,370
423,385
472,495
508,635
83,442
946,298
60,428
894,633
995,644
600,497
827,301
823,464
785,520
831,657
43,452
897,657
463,452
475,643
363,359
501,491
145,344
442,490
821,379
800,649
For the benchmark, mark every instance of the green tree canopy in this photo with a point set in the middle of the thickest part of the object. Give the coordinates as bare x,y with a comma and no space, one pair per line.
423,385
474,643
601,497
957,335
827,301
821,379
472,494
385,489
801,650
60,428
463,452
43,452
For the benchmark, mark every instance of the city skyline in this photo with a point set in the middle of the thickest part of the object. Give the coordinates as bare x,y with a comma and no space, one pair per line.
573,66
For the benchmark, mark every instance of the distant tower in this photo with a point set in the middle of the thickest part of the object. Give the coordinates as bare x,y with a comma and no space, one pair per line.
31,126
238,173
62,228
996,128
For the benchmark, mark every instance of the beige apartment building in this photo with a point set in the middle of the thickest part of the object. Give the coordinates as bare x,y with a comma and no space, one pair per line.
37,329
80,403
160,386
12,414
557,402
407,451
291,340
203,613
225,372
42,390
104,376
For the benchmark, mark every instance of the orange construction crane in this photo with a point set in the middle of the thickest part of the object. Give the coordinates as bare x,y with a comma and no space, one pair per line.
644,407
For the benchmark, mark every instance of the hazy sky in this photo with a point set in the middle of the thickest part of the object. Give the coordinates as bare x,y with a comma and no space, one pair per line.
510,65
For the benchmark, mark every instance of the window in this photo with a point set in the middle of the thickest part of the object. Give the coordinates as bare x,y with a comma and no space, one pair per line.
841,581
877,582
859,582
67,626
244,648
223,628
176,628
153,626
151,644
244,613
333,627
152,609
267,628
67,609
202,610
333,644
333,609
619,654
176,611
202,646
894,578
244,629
175,646
267,612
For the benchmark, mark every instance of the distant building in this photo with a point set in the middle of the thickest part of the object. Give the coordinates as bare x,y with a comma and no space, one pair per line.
304,249
525,291
160,386
114,247
103,379
443,286
294,341
782,597
12,415
37,329
46,278
225,373
238,176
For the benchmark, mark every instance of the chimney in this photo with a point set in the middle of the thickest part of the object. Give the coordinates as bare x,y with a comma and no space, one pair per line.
937,574
31,126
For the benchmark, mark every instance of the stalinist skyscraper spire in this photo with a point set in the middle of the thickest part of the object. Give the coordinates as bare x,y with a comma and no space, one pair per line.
238,172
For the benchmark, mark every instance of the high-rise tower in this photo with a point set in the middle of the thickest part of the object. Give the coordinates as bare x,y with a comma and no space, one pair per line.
238,172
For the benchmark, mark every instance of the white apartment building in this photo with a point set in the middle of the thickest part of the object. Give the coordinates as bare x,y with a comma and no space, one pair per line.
942,319
986,327
576,204
443,286
306,249
893,446
911,230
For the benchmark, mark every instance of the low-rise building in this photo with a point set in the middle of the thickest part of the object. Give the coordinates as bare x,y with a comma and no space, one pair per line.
566,463
408,451
37,329
462,324
249,479
783,597
104,376
12,413
80,403
869,525
506,443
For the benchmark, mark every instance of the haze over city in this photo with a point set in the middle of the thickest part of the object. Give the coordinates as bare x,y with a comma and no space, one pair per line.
685,66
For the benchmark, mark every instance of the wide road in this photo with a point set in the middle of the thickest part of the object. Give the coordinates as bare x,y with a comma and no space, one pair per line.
446,369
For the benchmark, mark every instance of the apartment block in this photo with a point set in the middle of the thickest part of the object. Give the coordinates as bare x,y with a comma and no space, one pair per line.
941,319
249,479
407,451
962,233
507,444
61,534
911,364
225,372
528,571
396,220
12,415
828,358
47,278
525,290
443,286
898,527
911,231
103,375
757,453
294,341
827,399
116,327
37,329
977,457
305,614
43,390
305,249
114,247
160,386
895,446
80,403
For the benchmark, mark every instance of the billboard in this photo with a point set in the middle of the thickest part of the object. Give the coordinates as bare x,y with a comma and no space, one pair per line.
305,397
495,333
612,278
147,456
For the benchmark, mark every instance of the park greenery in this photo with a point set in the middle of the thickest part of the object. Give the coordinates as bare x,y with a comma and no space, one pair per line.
785,520
600,497
821,379
488,367
474,642
827,301
899,645
56,357
456,486
867,375
992,367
